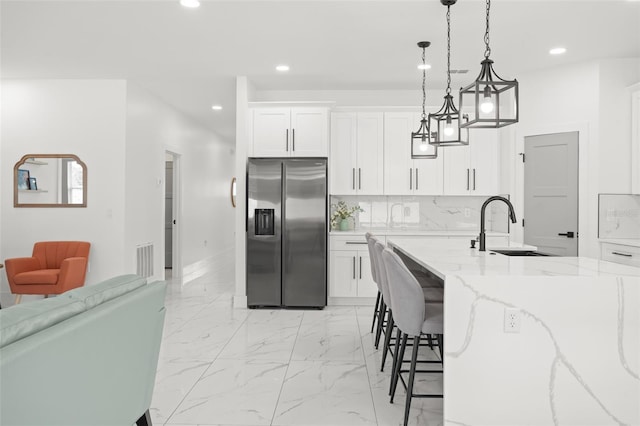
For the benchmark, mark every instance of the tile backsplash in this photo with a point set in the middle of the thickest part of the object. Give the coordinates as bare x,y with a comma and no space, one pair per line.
619,216
426,213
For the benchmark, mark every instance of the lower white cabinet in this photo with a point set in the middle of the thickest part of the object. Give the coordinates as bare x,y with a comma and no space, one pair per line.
350,268
620,253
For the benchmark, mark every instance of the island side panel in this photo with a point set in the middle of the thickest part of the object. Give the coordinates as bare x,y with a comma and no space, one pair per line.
575,360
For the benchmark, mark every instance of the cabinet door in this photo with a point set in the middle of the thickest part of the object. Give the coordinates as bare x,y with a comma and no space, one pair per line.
309,132
428,174
344,270
457,173
399,172
484,164
635,142
369,154
366,286
343,154
271,136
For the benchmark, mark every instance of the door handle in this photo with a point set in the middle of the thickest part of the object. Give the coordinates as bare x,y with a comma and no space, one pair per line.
410,178
567,234
359,178
360,267
354,267
416,178
293,139
287,140
174,221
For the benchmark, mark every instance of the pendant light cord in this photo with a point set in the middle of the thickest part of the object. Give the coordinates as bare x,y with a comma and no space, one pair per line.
424,82
487,51
448,50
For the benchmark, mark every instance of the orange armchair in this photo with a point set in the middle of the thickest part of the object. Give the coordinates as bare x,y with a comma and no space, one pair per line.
55,267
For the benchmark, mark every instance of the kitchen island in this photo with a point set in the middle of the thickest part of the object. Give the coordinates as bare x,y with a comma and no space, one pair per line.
571,355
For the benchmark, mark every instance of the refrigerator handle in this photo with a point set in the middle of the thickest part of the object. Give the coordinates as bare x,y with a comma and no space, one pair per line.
287,140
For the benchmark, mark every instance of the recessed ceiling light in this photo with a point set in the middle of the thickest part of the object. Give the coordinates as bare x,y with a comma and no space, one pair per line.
216,107
424,67
557,51
190,3
282,68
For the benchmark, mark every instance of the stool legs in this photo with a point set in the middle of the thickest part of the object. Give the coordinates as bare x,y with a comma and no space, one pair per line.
382,313
387,339
396,373
412,373
376,312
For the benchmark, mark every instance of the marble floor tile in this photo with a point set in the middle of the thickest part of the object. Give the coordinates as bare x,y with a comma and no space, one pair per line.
325,393
235,392
267,341
328,337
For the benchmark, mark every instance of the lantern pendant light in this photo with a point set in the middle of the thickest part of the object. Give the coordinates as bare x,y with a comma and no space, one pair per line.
493,100
446,122
420,140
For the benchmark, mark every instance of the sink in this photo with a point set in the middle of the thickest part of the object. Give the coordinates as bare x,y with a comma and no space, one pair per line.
520,253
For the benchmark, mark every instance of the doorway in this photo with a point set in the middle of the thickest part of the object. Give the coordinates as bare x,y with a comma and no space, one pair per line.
171,213
551,193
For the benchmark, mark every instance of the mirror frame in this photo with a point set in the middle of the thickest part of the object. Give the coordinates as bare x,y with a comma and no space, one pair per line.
28,156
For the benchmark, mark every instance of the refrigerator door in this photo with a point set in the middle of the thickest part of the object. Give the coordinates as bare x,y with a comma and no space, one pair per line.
264,231
304,278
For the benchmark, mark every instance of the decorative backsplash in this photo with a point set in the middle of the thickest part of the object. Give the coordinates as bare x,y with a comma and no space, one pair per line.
426,213
619,216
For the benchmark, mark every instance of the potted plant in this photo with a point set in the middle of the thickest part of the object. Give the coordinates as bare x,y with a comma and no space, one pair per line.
341,214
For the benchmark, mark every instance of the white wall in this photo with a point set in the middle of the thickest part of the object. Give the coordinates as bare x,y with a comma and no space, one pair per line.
82,117
121,133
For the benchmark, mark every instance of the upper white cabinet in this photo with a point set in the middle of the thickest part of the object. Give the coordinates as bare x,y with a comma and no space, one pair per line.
402,175
472,169
356,153
290,132
635,140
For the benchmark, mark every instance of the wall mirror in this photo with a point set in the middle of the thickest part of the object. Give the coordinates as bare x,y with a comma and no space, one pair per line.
50,180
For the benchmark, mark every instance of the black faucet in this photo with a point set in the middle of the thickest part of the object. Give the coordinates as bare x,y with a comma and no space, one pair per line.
512,216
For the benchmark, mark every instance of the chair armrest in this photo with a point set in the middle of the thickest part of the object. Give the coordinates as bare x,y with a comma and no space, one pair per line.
17,265
72,273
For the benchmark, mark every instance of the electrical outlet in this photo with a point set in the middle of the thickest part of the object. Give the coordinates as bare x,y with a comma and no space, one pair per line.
511,320
467,212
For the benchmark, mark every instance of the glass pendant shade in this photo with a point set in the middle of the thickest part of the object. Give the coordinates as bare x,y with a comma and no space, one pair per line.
446,125
421,146
491,100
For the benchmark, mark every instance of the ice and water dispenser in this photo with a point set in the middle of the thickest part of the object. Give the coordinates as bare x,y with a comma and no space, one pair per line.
264,221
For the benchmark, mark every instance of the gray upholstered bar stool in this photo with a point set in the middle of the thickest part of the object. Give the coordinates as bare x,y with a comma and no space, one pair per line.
386,327
374,275
414,318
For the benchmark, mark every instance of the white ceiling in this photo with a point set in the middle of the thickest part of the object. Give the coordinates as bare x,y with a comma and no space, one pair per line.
190,57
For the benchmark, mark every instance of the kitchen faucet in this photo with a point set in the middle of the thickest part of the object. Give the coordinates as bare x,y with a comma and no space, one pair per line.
512,216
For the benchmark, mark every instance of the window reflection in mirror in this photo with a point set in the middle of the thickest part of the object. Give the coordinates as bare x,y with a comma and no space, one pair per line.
50,180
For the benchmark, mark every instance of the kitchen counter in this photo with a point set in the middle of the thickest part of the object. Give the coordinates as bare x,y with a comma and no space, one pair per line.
575,355
409,232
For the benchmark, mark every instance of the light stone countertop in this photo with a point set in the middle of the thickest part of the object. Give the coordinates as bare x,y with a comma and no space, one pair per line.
410,232
452,258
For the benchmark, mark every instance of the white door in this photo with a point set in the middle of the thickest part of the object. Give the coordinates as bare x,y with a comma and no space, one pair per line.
366,286
309,132
457,173
271,136
398,166
369,173
483,179
551,193
343,281
343,154
168,215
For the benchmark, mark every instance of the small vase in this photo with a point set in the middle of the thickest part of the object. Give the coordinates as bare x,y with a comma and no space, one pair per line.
344,225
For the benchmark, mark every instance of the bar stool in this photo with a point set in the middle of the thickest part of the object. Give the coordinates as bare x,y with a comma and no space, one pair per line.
385,309
414,318
374,275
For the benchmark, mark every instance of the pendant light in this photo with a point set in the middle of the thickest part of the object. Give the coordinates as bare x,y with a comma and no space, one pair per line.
446,122
420,146
494,101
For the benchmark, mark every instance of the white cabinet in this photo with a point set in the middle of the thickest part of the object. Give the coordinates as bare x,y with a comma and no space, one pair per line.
402,175
356,153
620,253
473,169
635,141
290,132
350,268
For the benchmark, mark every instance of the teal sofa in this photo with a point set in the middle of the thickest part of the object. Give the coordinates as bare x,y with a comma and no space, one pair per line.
87,357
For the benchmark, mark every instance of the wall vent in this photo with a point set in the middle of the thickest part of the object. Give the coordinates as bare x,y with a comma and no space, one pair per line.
144,260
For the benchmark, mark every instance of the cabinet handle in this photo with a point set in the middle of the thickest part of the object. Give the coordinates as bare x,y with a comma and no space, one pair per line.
287,145
359,178
293,139
360,267
416,178
353,178
354,267
474,179
621,254
410,178
467,179
356,242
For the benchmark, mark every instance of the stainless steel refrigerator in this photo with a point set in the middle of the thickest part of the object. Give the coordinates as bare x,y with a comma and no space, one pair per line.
287,232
